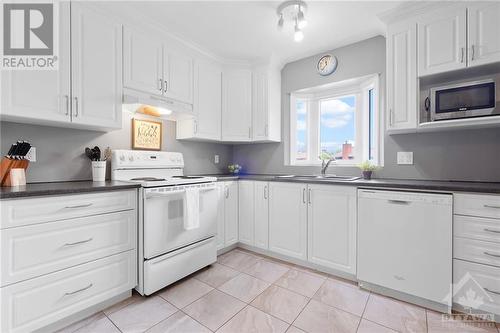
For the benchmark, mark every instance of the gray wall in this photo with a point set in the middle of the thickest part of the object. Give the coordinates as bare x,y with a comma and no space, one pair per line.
60,150
450,155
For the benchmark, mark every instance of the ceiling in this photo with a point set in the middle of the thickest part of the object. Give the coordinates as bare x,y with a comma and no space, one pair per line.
247,30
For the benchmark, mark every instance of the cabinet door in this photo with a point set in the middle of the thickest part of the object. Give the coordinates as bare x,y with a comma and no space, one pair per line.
261,215
288,219
231,213
442,41
208,102
43,96
484,33
236,105
220,214
402,76
246,209
96,53
332,227
178,75
142,62
260,106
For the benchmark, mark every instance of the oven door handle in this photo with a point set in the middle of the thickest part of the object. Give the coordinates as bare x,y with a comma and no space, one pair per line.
169,193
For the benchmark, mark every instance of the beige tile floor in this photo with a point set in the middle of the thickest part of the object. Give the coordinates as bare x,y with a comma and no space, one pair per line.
246,292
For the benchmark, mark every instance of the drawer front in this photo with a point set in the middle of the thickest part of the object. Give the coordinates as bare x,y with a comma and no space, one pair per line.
19,212
36,303
476,251
487,286
477,205
44,248
476,228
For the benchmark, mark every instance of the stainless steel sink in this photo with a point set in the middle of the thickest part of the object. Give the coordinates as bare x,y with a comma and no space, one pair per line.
319,177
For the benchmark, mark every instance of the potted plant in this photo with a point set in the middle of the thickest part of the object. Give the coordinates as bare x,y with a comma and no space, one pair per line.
234,168
367,169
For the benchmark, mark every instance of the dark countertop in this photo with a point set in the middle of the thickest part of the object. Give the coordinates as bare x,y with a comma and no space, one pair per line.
422,185
37,189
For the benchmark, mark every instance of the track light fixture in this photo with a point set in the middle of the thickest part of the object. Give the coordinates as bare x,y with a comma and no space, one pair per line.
293,11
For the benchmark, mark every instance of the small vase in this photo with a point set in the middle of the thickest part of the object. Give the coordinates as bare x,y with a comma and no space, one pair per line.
367,175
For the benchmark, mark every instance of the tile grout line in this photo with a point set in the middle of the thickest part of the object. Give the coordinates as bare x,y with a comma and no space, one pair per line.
196,320
112,322
364,309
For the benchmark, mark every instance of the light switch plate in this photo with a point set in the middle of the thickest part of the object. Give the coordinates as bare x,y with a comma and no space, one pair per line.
405,157
216,159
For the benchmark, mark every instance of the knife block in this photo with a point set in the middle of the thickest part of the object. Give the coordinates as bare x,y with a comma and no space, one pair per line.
6,165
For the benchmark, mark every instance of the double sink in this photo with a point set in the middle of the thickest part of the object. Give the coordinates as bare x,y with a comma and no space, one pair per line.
319,177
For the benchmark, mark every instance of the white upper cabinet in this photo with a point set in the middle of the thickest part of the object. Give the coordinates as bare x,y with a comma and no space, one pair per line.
96,51
86,94
142,62
402,76
41,96
288,219
178,75
266,105
484,33
332,227
261,215
206,124
237,105
246,212
442,41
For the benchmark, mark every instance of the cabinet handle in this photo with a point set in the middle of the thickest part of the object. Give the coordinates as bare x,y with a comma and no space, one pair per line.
492,291
266,130
491,206
491,230
80,242
79,290
303,195
67,104
463,54
195,127
492,254
160,85
76,106
227,192
78,206
390,118
309,196
165,87
473,52
265,192
398,202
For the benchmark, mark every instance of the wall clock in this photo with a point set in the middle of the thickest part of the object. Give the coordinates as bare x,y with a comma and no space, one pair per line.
327,64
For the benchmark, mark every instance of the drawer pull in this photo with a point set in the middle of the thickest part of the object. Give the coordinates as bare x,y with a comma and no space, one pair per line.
79,290
492,254
78,206
80,242
491,230
492,291
399,202
492,206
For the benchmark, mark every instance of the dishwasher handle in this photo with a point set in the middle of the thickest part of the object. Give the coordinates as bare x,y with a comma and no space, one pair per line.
398,202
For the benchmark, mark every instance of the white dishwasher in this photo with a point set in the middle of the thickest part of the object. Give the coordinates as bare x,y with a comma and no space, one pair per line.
405,245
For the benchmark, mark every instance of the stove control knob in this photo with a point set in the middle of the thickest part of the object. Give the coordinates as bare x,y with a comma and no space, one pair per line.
131,158
122,157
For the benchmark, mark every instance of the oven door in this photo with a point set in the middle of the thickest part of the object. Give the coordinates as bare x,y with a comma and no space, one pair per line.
164,218
473,99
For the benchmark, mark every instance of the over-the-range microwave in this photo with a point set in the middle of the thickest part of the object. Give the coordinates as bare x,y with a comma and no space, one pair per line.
463,100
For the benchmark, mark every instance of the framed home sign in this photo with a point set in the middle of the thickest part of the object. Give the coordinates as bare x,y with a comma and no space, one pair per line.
146,134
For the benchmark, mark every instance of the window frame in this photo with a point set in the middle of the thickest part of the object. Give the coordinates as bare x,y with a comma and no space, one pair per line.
360,90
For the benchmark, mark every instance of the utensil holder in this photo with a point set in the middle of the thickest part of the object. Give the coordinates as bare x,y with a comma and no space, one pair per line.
6,165
98,171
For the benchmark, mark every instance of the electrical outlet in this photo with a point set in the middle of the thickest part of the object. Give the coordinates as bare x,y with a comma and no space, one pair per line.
31,155
405,157
216,159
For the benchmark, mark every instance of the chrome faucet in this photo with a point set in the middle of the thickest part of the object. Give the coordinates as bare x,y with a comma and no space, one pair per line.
325,166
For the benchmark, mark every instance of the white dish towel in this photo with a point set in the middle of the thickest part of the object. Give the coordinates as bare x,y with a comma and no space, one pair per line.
191,208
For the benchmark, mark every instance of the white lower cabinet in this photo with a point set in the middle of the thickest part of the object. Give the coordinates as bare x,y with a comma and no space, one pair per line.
332,227
227,216
288,219
261,215
246,207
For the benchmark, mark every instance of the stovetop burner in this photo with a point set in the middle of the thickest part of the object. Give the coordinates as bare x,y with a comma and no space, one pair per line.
149,179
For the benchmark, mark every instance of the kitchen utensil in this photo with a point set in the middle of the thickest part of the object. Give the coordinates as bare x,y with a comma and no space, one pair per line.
97,152
89,153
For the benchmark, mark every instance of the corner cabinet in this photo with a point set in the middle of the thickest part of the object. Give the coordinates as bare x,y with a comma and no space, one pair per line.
402,77
227,214
86,90
288,219
246,207
331,222
484,32
237,105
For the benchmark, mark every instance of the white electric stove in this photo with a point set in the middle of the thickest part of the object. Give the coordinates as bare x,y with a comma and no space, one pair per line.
167,250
